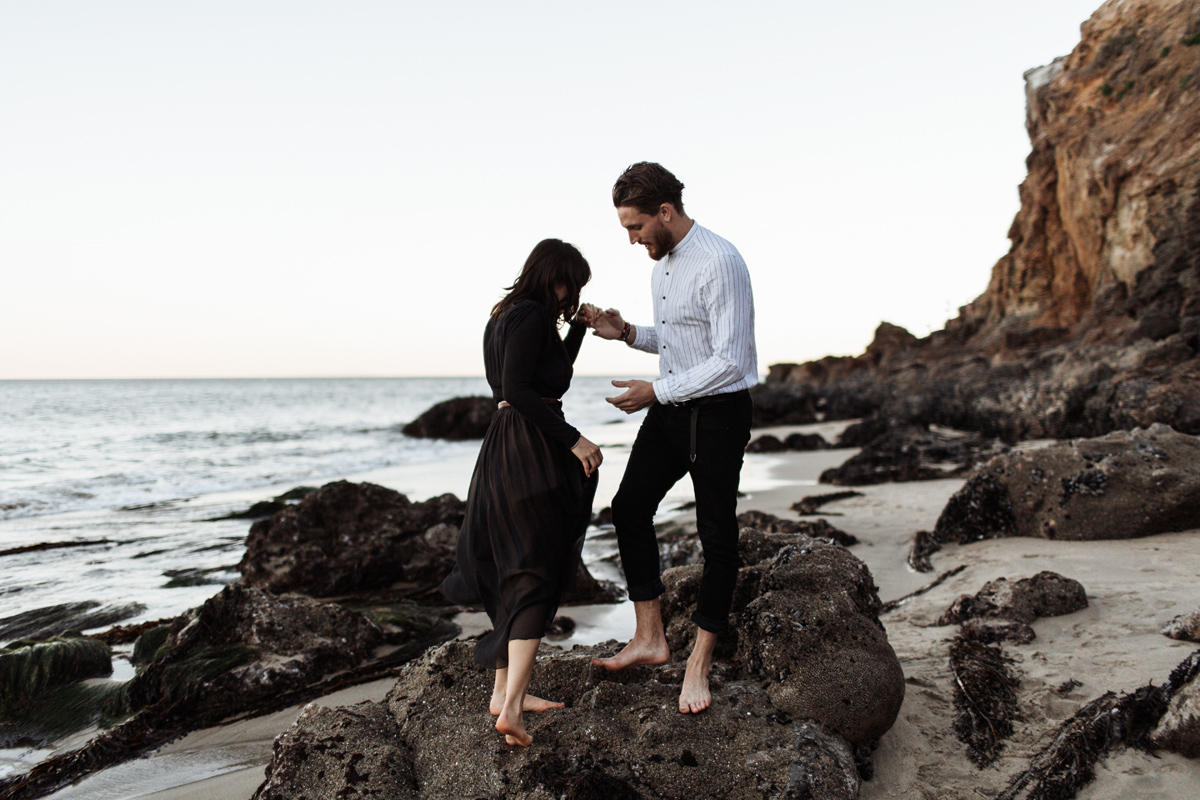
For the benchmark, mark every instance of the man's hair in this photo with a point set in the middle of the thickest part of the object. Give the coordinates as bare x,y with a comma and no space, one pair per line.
646,186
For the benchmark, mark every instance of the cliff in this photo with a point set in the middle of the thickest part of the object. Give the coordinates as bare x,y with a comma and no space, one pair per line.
1090,321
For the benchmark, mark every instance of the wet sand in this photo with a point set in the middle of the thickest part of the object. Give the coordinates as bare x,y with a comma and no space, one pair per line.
1133,586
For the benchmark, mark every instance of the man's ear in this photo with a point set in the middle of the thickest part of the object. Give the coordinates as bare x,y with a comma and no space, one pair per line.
666,211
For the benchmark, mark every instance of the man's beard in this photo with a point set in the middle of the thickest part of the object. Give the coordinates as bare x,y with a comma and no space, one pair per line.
662,241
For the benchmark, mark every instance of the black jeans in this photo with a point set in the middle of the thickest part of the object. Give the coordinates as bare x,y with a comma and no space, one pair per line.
661,456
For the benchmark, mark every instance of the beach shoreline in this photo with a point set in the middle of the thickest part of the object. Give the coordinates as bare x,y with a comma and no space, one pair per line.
1133,586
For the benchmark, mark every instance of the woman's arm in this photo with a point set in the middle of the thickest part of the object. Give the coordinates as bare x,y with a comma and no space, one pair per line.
525,339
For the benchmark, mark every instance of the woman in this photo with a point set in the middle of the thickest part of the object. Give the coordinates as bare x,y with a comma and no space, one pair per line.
531,495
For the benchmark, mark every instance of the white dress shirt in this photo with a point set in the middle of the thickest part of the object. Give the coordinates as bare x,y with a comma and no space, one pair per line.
703,327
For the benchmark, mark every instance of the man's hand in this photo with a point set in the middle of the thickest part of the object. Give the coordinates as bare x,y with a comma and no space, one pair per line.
638,395
607,324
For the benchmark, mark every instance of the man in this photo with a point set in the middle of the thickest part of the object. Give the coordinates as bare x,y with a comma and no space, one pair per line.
699,418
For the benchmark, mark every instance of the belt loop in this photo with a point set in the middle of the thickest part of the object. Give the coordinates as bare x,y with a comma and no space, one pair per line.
695,416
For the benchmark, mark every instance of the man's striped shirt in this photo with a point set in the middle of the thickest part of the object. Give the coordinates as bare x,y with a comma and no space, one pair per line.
703,327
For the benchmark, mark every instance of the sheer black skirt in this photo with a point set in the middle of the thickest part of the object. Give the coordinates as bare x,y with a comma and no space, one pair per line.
519,549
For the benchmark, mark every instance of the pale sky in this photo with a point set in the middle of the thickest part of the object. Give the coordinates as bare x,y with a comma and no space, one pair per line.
211,189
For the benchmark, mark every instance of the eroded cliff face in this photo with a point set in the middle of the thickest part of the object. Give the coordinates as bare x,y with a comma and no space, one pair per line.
1091,322
1113,177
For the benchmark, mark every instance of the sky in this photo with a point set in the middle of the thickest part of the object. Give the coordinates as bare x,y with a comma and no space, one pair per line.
262,189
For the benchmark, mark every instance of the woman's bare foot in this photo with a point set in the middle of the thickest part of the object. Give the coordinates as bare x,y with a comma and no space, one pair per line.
531,704
512,724
635,653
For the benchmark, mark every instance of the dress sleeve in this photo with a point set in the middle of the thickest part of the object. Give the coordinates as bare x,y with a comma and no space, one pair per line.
525,339
574,339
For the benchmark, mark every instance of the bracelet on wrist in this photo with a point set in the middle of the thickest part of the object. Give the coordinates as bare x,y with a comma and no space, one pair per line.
624,337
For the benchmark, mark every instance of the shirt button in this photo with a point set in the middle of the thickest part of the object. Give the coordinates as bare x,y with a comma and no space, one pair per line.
670,372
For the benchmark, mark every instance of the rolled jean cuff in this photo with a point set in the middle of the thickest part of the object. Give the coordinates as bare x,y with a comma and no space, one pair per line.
708,623
647,591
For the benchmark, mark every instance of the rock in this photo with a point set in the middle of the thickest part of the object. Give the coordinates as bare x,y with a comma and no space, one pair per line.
805,442
244,646
1119,486
30,669
1046,594
786,707
817,606
782,405
355,749
620,736
1185,627
43,693
796,441
907,452
349,537
766,444
589,591
1179,729
1087,323
807,506
458,419
49,621
992,630
925,544
817,529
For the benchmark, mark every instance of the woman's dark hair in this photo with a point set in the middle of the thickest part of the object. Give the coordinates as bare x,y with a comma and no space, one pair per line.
552,263
646,186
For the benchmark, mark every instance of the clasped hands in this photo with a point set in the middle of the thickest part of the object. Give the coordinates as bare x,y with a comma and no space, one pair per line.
609,325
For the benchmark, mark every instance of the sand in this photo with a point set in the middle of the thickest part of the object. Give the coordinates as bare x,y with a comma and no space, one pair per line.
1134,587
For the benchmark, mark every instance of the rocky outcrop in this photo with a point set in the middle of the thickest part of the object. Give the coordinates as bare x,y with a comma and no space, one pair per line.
245,645
1089,324
348,537
1120,486
457,419
808,674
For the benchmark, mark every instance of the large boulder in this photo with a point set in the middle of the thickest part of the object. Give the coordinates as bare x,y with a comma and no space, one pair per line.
810,676
620,737
1119,486
245,645
813,635
457,419
348,537
807,626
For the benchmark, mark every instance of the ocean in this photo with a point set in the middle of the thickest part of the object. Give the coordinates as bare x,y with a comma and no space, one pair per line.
132,473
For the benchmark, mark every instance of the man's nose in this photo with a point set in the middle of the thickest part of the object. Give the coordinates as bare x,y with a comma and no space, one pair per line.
633,238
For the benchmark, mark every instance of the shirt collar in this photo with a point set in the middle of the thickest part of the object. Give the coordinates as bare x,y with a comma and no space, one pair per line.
686,241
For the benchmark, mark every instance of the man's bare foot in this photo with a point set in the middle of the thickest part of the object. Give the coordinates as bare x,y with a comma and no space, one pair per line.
531,704
695,696
512,725
636,653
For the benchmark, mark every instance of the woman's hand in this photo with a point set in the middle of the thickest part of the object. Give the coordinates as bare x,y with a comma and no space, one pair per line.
608,324
589,454
588,314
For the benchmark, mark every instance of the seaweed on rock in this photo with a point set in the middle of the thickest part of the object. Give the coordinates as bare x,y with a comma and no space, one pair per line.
1107,723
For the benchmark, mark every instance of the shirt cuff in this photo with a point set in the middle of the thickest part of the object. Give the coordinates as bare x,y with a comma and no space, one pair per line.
661,392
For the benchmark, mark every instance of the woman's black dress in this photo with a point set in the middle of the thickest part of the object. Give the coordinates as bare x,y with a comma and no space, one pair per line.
529,504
